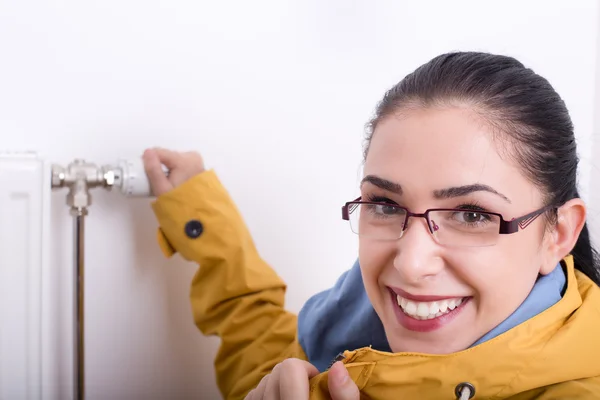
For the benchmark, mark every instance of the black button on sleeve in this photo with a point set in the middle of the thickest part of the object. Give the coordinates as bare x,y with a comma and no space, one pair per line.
193,229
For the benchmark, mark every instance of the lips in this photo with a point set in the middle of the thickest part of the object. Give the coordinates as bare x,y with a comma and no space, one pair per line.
425,313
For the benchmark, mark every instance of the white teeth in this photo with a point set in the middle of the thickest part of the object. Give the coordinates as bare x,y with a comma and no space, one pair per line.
443,306
429,309
434,308
423,310
411,308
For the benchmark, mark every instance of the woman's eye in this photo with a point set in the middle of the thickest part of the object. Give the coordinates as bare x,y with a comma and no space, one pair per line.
387,210
471,217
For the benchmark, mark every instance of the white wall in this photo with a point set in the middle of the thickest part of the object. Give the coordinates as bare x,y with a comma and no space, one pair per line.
275,95
594,189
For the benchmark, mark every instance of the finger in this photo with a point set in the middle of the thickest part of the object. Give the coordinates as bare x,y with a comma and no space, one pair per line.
167,157
156,176
272,385
259,392
294,379
250,396
341,387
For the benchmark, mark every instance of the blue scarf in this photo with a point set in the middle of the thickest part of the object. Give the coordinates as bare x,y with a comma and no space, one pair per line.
342,318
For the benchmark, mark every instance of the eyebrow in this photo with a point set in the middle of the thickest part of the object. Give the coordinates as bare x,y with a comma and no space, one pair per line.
382,184
459,191
448,193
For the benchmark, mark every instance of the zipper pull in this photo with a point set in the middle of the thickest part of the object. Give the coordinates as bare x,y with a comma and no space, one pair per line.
337,358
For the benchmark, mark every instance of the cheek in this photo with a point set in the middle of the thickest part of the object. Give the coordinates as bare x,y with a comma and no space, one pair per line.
502,276
373,258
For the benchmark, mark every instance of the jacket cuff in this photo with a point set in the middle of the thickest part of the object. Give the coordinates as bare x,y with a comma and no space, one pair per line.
195,216
165,246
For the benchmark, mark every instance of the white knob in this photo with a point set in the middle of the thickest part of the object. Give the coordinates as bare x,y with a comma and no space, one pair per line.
134,181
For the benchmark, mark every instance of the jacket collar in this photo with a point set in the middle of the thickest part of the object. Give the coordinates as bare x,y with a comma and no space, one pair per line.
547,291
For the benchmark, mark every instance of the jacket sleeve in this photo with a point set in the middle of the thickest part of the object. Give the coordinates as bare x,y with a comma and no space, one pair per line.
235,294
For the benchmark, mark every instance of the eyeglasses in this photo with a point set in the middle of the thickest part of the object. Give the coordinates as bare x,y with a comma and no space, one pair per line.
448,226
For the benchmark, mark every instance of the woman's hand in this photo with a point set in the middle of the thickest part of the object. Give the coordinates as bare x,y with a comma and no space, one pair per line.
289,380
182,166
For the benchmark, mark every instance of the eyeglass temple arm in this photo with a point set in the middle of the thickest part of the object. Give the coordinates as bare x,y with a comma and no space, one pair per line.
345,208
512,226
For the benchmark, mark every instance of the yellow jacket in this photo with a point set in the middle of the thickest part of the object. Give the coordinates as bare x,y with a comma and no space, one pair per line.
238,297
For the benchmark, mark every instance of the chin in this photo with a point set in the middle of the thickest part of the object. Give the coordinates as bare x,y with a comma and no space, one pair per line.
415,345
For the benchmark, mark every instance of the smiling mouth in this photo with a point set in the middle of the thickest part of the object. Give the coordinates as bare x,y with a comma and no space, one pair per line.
424,310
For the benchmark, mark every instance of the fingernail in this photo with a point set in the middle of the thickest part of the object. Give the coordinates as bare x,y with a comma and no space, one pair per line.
340,374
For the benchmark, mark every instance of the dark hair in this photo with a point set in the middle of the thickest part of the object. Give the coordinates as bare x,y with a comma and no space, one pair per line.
514,100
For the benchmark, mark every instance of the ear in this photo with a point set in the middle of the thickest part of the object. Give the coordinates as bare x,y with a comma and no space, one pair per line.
564,235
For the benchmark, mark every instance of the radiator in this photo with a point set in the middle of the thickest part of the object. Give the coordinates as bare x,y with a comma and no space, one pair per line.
32,367
24,225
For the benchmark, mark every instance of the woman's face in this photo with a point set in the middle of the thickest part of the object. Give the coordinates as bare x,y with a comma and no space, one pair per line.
413,161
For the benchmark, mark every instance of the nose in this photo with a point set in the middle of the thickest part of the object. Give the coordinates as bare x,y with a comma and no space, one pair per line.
417,255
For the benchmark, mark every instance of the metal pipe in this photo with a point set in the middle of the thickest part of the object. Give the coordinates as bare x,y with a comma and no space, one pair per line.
79,214
79,177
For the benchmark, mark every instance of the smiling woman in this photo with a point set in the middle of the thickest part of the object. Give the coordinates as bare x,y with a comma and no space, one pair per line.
475,255
475,272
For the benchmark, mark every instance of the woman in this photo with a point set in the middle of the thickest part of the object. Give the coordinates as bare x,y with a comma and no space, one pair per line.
473,248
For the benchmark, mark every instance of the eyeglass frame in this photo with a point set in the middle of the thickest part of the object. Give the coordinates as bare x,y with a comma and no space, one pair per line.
506,227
